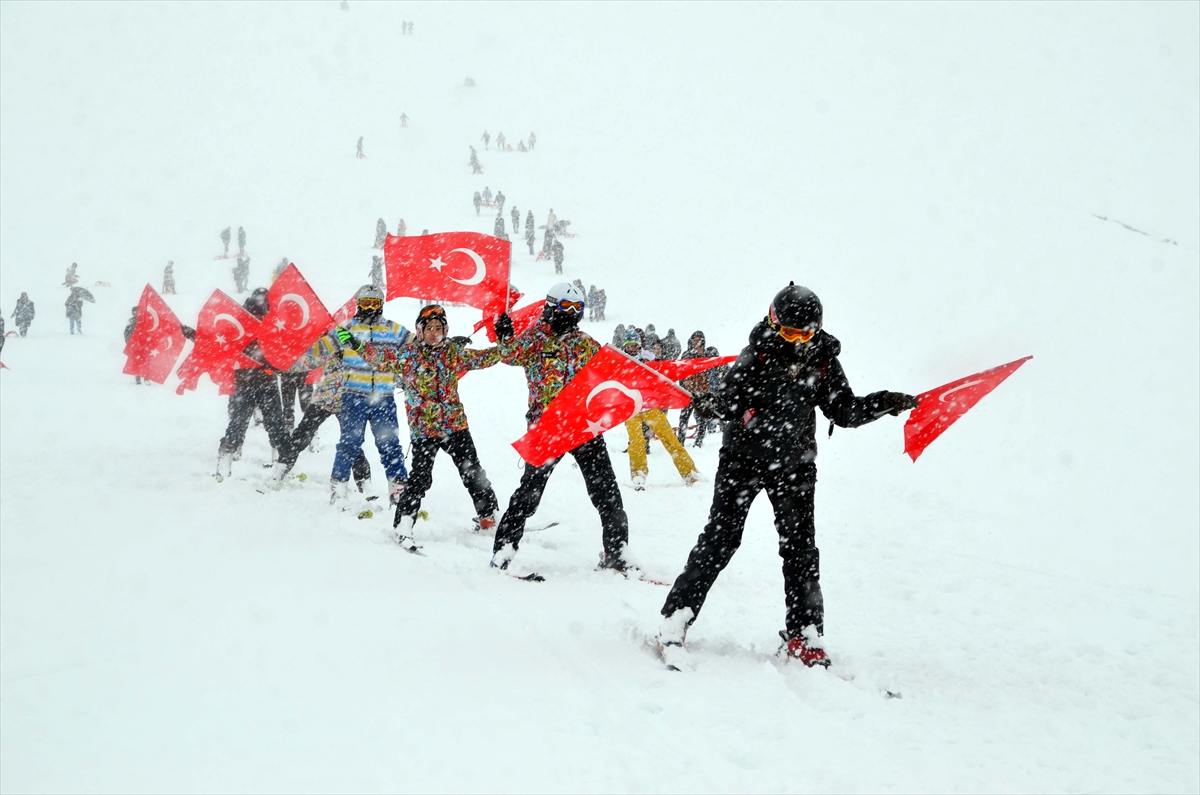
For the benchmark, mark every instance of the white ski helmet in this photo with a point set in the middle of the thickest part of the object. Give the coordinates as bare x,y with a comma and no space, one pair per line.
564,292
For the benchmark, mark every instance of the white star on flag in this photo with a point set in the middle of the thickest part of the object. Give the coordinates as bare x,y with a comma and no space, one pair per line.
595,428
437,264
279,324
154,353
220,338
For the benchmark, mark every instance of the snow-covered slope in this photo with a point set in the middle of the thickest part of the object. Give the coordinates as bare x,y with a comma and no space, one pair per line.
1030,586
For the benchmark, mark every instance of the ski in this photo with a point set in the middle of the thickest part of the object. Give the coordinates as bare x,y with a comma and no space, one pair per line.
541,527
672,656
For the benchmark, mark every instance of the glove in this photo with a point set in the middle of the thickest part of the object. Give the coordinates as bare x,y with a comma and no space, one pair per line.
348,340
188,332
893,403
464,341
705,406
504,326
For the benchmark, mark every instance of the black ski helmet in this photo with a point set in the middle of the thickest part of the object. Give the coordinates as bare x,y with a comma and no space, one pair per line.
432,312
796,307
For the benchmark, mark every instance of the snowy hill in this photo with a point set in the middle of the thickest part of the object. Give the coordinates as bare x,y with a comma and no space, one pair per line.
939,175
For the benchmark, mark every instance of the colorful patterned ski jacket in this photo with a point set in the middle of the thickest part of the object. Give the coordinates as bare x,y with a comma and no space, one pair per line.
326,355
360,375
429,376
550,361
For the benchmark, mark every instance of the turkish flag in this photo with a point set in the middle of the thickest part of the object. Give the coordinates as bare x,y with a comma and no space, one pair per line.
223,330
610,389
940,408
347,311
157,339
679,369
296,318
523,319
466,267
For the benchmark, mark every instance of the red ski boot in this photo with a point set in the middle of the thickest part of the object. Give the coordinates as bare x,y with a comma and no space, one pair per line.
803,650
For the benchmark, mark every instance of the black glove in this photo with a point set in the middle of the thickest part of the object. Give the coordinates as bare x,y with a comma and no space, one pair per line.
893,403
188,332
463,341
504,326
705,406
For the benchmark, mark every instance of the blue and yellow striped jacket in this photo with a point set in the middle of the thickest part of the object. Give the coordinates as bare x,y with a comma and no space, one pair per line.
358,374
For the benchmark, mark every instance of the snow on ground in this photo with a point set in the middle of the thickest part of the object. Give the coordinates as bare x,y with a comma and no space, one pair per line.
1030,586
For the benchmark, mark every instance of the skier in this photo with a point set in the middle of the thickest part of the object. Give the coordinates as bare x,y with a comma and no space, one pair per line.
695,385
532,140
401,228
293,386
551,353
487,196
241,241
486,139
72,278
380,233
591,299
429,369
130,325
23,313
530,235
359,151
618,339
789,369
169,278
516,220
324,402
601,303
547,243
253,387
477,200
226,234
241,274
651,338
74,304
500,201
500,142
655,421
367,397
403,119
670,345
377,270
498,227
556,250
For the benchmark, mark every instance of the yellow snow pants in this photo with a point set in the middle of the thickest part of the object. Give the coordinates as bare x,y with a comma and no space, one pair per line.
657,420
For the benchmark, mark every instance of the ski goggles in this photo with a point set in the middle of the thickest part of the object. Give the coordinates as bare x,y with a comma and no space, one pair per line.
434,312
371,303
789,333
565,305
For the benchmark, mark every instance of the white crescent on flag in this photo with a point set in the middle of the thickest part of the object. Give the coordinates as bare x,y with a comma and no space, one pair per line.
942,397
300,302
480,268
634,394
230,319
170,342
154,315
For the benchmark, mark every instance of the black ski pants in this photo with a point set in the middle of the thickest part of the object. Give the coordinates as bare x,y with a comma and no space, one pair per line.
461,448
790,488
251,388
602,488
685,414
313,418
292,386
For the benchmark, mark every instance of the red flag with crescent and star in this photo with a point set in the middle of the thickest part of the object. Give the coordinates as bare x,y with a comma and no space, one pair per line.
223,330
523,319
467,267
295,320
157,339
610,389
940,408
679,369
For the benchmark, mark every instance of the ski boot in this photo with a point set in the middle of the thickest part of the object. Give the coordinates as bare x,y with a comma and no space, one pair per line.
639,481
224,463
692,478
339,494
395,489
503,556
485,523
279,472
616,563
402,533
671,635
804,649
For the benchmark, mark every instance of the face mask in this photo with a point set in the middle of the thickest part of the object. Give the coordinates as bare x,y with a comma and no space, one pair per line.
562,322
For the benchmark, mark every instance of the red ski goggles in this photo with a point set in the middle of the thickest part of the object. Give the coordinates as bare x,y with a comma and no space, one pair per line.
565,305
788,333
433,312
371,303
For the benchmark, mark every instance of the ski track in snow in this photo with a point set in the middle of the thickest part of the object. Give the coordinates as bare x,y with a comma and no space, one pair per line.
1030,586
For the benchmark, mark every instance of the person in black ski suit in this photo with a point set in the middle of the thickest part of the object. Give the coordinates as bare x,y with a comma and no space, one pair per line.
516,220
530,235
253,387
23,313
556,251
500,201
241,240
788,370
695,385
670,345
